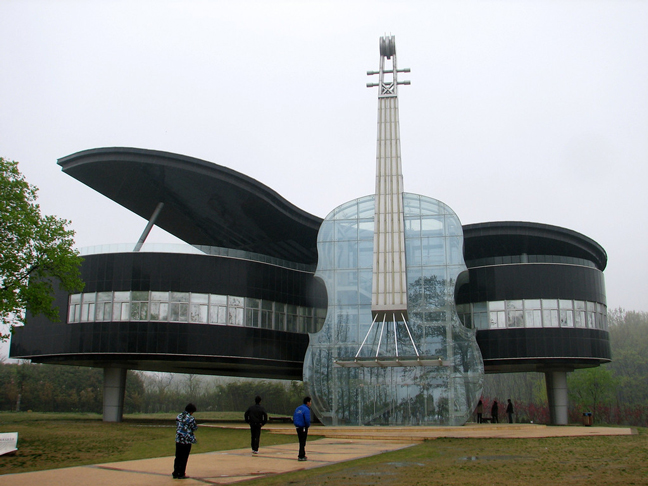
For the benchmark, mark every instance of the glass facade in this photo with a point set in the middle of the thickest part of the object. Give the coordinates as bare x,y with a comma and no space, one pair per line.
444,387
192,307
532,313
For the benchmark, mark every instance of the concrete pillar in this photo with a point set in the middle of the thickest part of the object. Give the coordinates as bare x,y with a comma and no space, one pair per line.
557,393
113,394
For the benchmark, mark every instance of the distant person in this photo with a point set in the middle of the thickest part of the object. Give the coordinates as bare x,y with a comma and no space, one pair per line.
185,427
301,421
495,413
257,417
480,411
509,411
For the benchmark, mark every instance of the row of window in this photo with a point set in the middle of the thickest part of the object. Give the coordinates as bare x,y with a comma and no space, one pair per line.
225,310
531,313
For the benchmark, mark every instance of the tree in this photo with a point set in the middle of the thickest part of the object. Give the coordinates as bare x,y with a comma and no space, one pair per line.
35,252
629,342
591,387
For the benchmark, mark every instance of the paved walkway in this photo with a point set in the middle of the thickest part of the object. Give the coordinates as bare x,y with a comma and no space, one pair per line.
222,467
340,444
418,434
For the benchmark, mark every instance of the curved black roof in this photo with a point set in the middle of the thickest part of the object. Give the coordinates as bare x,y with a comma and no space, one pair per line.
208,204
505,238
204,203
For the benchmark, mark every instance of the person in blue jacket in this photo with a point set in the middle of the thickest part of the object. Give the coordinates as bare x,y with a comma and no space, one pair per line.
301,421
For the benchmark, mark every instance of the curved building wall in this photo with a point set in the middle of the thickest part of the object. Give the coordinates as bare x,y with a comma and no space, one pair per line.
543,349
534,311
223,316
533,281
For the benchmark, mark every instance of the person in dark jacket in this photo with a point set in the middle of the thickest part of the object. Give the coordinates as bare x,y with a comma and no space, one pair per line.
480,411
509,411
301,421
185,427
257,417
495,413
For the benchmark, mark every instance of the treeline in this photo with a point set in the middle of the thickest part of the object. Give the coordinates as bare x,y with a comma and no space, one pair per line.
616,393
53,388
170,392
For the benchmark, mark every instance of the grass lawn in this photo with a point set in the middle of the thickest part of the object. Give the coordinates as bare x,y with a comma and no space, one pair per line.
581,461
53,440
48,441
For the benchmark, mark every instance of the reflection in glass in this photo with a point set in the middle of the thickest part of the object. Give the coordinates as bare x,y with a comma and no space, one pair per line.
199,298
546,313
408,395
198,308
179,296
139,296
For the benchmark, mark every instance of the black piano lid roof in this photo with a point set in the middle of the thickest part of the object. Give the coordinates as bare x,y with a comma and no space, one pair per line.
204,203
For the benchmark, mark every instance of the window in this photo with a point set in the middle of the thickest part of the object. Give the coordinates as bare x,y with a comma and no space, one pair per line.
514,313
580,319
121,306
266,314
235,311
199,309
591,315
280,316
217,309
532,313
291,318
139,306
88,307
104,306
195,308
179,306
252,312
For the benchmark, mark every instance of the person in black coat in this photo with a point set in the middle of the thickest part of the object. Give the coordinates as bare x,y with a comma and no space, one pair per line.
495,413
509,411
257,417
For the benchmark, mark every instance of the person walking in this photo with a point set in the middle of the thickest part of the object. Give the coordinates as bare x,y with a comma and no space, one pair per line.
301,421
480,411
495,413
509,411
185,427
257,417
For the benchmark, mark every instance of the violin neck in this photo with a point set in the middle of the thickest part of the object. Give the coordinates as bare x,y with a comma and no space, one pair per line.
389,289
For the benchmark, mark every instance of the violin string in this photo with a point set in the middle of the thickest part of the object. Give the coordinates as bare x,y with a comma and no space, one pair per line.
367,335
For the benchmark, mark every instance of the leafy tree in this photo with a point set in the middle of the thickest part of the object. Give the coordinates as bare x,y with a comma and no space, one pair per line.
591,387
35,252
629,342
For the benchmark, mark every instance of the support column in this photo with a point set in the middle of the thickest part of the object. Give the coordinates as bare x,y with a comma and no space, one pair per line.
557,394
149,226
114,390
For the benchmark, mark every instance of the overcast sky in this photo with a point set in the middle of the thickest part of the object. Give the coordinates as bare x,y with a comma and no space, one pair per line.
518,110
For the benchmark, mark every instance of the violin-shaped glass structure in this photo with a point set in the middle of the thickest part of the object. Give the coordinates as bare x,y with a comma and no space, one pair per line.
392,350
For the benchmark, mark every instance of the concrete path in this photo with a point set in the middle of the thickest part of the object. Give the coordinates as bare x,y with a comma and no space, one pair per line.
339,444
222,467
474,431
